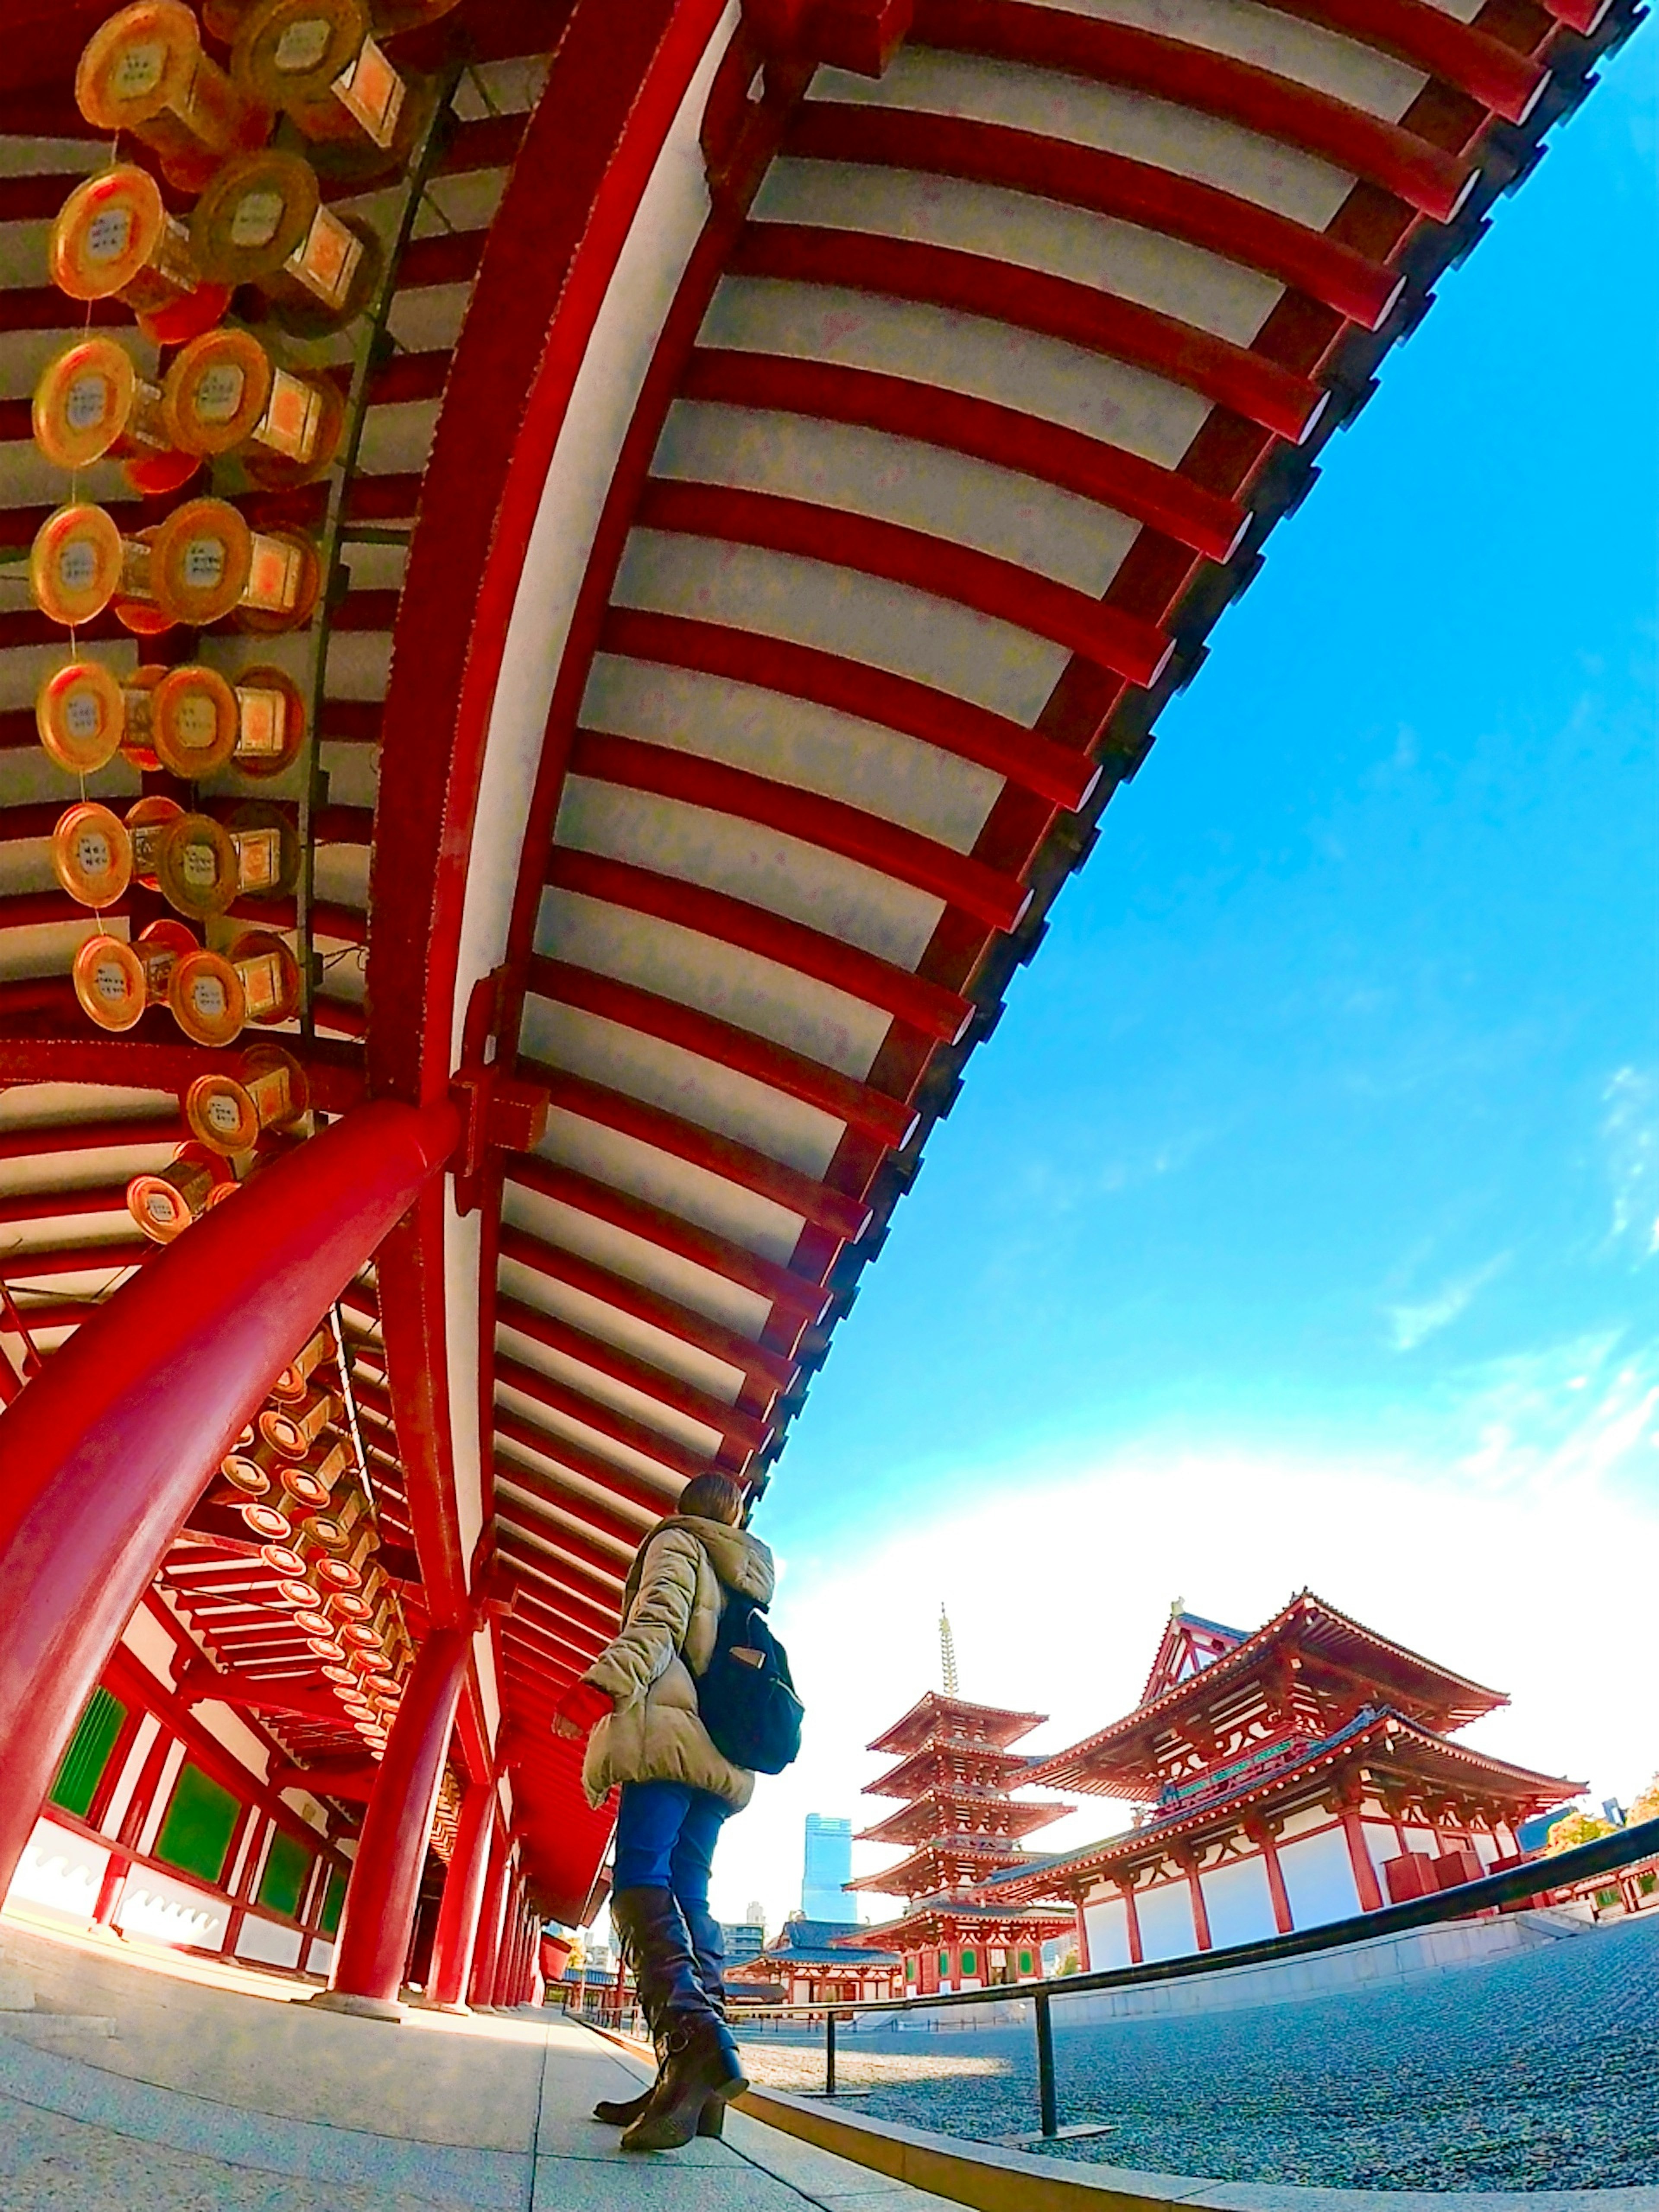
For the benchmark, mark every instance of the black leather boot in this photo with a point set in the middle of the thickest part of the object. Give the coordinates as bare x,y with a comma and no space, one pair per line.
701,2069
709,1953
697,2055
622,2111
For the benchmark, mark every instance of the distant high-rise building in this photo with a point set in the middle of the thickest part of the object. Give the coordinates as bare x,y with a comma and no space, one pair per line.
828,1867
743,1939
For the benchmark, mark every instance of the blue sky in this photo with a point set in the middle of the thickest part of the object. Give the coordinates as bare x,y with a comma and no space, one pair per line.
1307,1193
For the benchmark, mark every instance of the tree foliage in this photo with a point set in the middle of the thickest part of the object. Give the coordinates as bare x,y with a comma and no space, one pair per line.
1646,1807
1572,1829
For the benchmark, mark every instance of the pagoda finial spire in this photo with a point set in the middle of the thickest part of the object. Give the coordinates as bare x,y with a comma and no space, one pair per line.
947,1651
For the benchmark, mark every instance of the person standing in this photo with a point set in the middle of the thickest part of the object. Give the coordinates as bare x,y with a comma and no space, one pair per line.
637,1705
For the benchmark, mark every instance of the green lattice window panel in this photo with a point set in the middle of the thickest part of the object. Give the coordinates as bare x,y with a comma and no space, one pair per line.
288,1869
201,1819
329,1919
89,1754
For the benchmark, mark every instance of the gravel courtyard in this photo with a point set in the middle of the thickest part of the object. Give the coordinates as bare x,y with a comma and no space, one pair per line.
1539,2071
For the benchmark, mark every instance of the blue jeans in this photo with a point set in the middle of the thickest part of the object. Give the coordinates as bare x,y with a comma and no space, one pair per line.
666,1832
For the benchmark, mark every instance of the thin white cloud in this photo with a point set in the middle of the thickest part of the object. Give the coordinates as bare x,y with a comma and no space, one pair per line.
1411,1325
1630,1131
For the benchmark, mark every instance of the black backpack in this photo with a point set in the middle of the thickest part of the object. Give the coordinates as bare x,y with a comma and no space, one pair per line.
746,1695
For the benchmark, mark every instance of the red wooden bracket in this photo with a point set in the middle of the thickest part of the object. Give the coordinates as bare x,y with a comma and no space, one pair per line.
860,35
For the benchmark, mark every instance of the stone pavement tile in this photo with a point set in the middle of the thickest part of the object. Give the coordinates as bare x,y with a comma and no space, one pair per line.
431,2080
665,2182
817,2173
478,2180
51,2164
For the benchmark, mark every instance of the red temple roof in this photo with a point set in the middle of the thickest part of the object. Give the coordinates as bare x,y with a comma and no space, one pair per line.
1308,1670
1399,1757
935,1714
944,1810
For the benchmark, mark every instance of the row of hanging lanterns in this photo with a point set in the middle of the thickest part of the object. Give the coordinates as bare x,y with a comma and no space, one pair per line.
294,1481
305,91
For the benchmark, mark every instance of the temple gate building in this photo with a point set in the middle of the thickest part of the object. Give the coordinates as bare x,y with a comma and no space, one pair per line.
1281,1779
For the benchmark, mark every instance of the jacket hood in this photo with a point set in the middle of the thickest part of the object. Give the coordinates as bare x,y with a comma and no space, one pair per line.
742,1561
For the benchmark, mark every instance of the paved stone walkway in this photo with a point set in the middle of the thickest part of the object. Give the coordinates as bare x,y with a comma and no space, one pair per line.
1540,2070
148,2082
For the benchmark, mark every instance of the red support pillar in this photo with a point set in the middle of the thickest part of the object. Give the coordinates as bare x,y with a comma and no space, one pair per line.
1200,1910
1131,1922
110,1445
1082,1941
464,1889
511,1935
1269,1842
1359,1858
484,1951
385,1879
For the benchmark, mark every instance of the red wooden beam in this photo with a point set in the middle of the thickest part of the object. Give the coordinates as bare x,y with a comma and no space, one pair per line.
839,1097
765,1371
1433,182
605,1420
1459,54
843,1217
939,566
851,687
623,1482
1027,445
702,1247
815,819
1109,183
924,1005
641,1375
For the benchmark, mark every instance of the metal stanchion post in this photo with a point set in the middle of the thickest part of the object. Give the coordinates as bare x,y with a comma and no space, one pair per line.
1045,2050
829,2053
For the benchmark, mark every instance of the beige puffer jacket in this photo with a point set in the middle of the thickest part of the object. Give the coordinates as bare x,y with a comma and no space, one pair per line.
656,1733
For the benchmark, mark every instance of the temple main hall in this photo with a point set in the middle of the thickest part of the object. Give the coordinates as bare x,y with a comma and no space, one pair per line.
1299,1774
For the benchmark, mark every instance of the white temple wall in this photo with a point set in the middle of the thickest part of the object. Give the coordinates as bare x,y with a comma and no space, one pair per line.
1319,1878
1238,1901
1381,1843
1166,1922
1108,1926
1302,1822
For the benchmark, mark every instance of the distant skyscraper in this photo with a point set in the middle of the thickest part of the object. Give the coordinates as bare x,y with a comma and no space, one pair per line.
829,1864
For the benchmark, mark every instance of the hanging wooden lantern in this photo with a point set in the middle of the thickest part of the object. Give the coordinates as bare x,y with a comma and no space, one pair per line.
212,996
251,1468
224,394
309,1482
194,719
315,60
291,1430
205,563
292,1385
144,71
92,854
109,982
196,867
230,1113
206,996
338,1528
267,850
80,716
91,404
115,239
165,1203
264,1522
270,977
271,729
262,221
78,562
147,823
